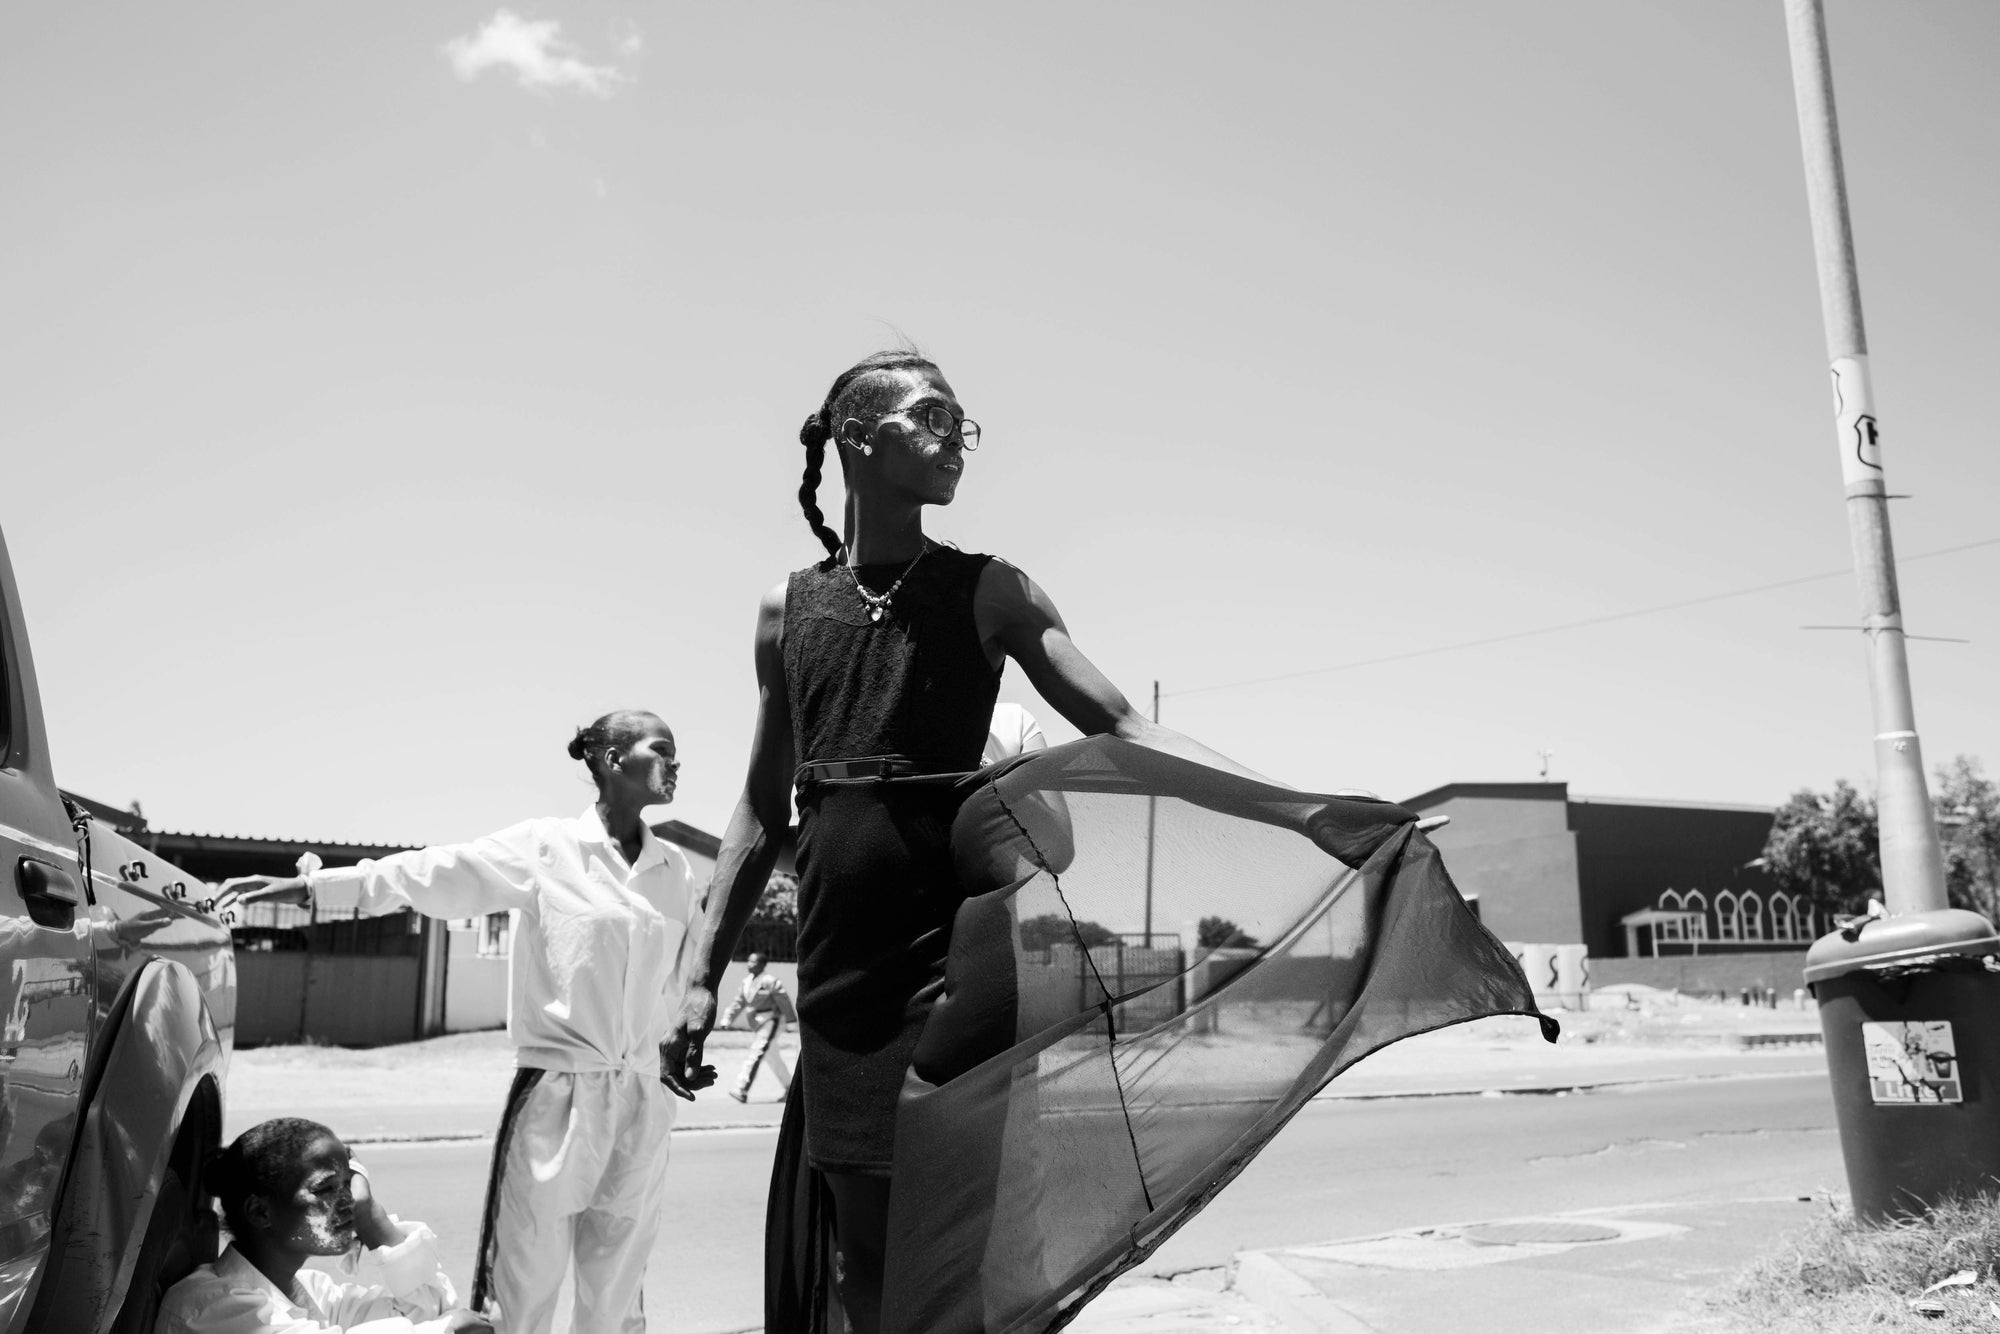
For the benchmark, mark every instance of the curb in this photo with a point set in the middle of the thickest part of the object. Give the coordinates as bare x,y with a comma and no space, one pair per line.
1551,1090
1260,1278
1331,1094
486,1136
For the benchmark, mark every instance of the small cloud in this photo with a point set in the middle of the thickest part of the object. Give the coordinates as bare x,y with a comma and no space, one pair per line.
631,42
603,191
535,53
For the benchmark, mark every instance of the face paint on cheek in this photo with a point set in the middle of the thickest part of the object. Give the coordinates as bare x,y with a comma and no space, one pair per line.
327,1231
323,1231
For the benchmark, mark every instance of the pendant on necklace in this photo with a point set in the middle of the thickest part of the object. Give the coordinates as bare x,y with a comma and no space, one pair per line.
874,613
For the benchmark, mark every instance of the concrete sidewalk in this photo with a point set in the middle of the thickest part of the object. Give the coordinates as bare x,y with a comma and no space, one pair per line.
453,1087
1637,1269
445,1088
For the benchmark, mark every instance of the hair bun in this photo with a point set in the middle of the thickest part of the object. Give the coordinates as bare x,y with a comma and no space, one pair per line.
218,1173
577,745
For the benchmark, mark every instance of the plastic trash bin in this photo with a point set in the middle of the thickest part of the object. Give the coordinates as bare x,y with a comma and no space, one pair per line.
1910,1007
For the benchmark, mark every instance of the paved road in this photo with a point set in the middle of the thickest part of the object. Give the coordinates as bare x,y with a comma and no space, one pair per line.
1341,1169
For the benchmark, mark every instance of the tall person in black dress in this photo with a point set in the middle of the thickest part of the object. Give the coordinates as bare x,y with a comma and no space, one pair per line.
888,651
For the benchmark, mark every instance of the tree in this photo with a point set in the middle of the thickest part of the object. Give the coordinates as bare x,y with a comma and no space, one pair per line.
1827,848
773,929
1052,928
779,905
1968,811
1219,933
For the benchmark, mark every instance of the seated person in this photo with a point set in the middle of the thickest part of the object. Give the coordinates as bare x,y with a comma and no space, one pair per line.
289,1192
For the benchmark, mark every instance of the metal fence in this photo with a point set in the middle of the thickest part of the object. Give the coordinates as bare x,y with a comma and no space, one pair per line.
1070,978
306,975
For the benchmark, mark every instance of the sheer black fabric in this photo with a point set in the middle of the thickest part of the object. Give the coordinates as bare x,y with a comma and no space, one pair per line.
1090,1076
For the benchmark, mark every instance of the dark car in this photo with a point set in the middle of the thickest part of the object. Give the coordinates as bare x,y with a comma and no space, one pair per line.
118,1000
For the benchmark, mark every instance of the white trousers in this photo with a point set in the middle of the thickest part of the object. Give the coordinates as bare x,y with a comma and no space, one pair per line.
762,1052
583,1180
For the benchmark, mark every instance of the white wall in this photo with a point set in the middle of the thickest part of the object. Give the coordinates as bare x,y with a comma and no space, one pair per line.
475,988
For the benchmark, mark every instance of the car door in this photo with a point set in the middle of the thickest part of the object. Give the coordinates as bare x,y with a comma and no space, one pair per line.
45,972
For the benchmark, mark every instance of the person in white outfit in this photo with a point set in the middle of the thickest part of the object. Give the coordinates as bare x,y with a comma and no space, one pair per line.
762,997
290,1192
1011,731
602,911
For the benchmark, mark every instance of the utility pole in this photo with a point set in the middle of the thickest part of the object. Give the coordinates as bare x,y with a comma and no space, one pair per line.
1900,997
1151,804
1912,864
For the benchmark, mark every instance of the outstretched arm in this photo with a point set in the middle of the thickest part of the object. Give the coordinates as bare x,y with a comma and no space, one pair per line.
749,851
1015,617
490,874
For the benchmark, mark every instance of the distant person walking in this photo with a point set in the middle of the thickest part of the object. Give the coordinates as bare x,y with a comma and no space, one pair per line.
599,964
762,997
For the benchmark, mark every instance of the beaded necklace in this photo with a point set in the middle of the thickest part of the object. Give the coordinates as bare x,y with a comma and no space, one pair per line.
878,603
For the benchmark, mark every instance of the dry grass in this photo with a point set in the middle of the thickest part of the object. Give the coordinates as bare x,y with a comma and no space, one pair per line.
1839,1276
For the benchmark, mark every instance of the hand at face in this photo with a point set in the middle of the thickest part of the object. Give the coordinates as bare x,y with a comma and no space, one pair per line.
373,1227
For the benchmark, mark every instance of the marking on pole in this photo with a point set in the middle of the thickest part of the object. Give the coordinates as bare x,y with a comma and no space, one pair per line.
1854,415
1912,1063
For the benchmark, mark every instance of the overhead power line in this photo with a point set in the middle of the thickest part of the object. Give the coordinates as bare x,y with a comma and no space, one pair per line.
1585,623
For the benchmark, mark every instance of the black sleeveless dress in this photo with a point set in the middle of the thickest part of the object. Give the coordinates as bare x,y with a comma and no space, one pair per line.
877,890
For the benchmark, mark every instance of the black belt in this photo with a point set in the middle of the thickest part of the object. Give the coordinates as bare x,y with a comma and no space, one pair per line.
873,769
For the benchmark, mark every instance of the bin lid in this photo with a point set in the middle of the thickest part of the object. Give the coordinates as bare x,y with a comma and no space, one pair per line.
1880,941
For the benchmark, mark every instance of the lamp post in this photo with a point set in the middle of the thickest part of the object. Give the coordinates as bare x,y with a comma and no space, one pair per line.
1151,810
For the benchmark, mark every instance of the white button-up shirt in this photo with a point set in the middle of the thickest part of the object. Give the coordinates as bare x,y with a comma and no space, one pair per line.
400,1289
598,964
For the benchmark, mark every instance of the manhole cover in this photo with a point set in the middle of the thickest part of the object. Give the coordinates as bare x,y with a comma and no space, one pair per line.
1544,1233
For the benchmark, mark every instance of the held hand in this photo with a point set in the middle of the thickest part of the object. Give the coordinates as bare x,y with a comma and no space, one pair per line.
467,1322
681,1068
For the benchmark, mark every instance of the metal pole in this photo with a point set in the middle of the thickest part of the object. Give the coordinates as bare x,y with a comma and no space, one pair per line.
1151,803
1912,864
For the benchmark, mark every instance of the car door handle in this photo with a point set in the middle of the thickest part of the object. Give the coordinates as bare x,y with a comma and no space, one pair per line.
50,892
38,880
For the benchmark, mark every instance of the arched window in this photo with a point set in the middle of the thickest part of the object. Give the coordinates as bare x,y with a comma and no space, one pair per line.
1752,915
1784,917
1697,902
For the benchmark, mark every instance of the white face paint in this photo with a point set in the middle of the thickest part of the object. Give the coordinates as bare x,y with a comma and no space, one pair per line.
1854,418
317,1218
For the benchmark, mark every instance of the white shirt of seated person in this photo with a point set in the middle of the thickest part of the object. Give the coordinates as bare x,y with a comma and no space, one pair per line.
400,1289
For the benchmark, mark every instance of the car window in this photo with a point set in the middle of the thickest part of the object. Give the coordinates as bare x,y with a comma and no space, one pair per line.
6,692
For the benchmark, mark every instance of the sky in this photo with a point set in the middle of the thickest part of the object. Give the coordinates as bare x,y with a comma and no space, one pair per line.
388,389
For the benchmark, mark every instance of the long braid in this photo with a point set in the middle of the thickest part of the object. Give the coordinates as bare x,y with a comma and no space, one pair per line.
813,436
818,431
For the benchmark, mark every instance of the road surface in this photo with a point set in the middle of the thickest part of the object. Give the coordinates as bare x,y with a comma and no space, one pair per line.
1341,1169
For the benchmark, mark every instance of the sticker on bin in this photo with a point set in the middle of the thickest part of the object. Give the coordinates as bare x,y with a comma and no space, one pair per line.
1912,1062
